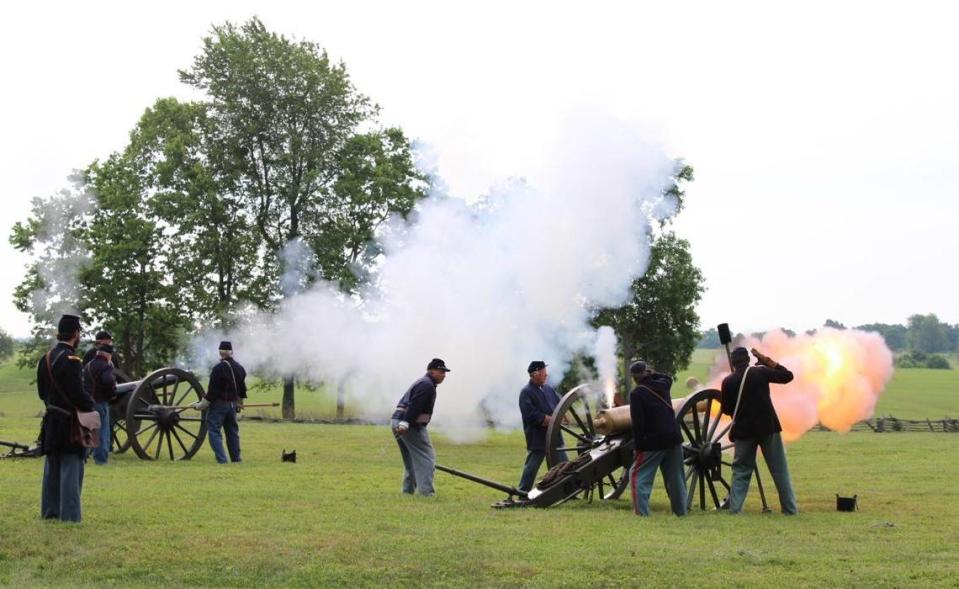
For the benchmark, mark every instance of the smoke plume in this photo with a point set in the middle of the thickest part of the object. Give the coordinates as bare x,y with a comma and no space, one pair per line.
487,286
838,377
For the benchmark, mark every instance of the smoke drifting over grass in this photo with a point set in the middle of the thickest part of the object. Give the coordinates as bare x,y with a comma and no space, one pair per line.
839,375
487,287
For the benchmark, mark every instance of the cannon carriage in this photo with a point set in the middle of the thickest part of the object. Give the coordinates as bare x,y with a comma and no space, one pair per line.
155,418
597,444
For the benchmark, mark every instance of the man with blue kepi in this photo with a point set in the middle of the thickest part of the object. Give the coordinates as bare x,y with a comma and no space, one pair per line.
60,387
224,397
409,421
537,401
656,438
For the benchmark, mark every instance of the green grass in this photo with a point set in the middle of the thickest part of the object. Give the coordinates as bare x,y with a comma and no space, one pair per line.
336,518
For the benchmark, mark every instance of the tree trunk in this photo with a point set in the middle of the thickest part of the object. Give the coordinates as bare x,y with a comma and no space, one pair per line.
340,400
289,385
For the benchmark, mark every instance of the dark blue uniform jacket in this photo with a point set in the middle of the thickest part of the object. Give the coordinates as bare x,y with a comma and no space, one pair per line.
416,405
756,417
60,402
535,403
651,408
98,379
227,382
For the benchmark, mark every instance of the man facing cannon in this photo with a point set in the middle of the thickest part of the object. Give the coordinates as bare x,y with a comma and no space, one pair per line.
656,438
100,383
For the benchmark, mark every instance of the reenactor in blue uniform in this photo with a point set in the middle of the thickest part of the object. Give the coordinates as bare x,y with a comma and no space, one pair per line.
224,398
410,419
658,443
755,424
100,383
60,387
537,401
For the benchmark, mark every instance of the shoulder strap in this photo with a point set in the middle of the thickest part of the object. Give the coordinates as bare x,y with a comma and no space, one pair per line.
236,389
53,381
662,400
739,396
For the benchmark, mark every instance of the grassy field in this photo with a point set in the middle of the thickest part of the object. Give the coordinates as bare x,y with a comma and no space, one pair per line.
336,518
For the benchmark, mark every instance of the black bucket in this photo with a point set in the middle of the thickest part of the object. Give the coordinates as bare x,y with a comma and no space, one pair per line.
846,503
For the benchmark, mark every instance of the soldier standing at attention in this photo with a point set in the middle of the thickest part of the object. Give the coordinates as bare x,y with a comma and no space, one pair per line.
100,383
60,387
224,397
409,421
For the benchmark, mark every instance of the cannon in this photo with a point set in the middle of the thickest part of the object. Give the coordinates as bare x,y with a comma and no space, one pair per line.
597,442
156,417
158,420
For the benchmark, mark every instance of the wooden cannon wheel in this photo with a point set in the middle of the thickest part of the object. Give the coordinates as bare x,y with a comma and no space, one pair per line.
572,431
704,440
159,420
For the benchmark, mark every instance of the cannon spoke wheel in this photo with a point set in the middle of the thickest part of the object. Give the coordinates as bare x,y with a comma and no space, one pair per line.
119,438
704,440
572,431
159,420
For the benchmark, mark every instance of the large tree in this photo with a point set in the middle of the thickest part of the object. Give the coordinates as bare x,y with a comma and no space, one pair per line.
287,130
127,287
214,255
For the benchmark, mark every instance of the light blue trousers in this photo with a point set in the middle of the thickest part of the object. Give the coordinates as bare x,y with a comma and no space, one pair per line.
222,416
744,462
419,460
62,484
643,473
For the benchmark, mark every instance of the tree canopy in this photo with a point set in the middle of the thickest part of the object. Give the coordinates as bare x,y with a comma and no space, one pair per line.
186,225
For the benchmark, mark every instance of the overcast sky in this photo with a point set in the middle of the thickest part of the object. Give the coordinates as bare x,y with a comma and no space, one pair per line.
825,136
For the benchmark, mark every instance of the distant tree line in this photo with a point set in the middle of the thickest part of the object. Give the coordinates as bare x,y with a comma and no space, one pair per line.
917,343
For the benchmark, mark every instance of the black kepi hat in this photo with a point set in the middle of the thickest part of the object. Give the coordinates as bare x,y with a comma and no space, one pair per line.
437,364
103,334
68,324
638,367
739,355
535,366
225,345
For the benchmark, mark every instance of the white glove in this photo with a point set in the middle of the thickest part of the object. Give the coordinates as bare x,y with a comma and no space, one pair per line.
402,427
201,405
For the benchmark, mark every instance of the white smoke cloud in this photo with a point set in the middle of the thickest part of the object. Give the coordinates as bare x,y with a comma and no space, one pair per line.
487,287
59,254
604,351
